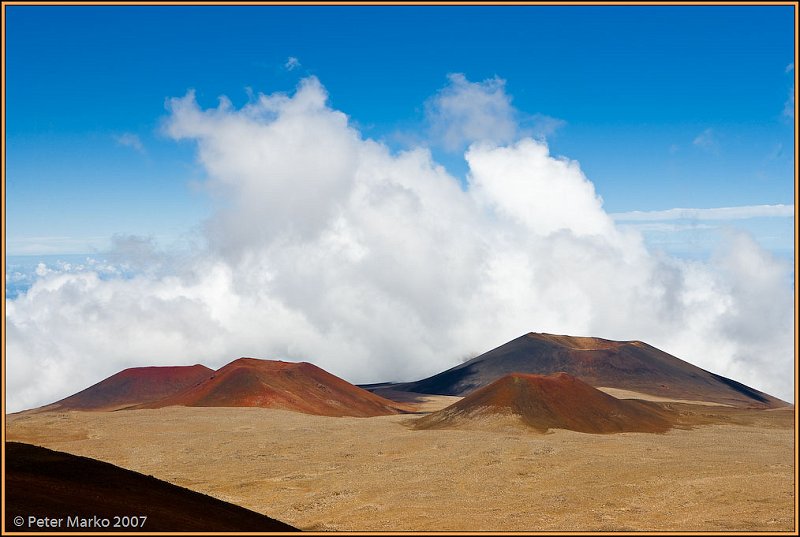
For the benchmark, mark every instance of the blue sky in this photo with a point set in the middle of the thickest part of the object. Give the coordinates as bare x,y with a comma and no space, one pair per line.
663,107
148,226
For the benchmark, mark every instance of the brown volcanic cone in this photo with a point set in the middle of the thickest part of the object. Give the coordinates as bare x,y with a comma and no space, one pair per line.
45,483
301,387
558,401
134,386
628,365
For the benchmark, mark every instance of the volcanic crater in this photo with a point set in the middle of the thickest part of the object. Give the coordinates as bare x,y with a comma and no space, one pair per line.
558,401
627,365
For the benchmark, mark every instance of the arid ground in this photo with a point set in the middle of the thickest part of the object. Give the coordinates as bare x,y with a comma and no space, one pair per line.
723,469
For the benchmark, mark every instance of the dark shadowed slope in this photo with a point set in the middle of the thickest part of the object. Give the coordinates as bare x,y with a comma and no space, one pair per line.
45,483
629,365
301,387
558,401
134,386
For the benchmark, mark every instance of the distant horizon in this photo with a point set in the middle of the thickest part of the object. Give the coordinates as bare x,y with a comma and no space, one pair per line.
392,382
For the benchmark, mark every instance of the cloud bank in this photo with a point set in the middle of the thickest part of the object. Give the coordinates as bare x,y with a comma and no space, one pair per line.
716,213
328,247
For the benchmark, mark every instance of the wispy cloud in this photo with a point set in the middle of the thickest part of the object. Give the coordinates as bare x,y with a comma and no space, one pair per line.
776,153
292,63
542,126
55,245
664,227
717,213
788,106
707,140
131,140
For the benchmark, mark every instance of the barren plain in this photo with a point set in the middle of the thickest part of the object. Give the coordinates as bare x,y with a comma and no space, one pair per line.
722,469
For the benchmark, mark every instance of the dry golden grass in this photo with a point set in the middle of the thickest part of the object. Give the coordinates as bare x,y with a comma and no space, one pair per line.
375,474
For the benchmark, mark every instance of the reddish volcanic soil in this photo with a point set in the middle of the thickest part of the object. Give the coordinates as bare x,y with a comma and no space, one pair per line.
626,365
301,387
558,401
134,386
43,483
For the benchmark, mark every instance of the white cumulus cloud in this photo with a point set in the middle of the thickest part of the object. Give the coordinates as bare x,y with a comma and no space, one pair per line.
464,112
328,247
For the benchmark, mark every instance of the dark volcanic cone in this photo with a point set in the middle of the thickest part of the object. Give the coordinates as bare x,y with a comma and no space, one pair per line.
301,387
134,386
558,401
43,483
628,365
